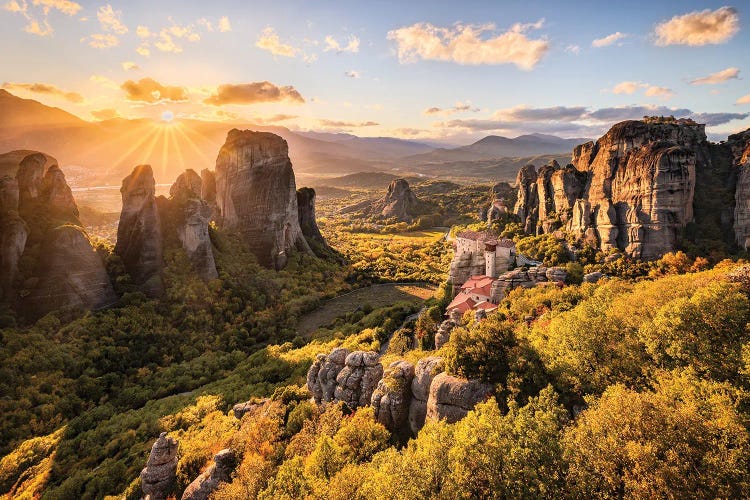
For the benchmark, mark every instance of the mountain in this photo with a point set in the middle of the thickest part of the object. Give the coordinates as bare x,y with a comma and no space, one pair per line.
494,146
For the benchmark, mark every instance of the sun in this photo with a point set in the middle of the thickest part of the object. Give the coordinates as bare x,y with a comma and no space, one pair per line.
167,116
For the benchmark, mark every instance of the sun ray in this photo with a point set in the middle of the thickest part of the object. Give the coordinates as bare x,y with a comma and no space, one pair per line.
182,132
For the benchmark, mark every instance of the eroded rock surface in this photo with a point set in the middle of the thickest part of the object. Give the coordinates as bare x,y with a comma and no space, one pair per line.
426,370
356,382
257,196
321,377
392,397
219,472
307,220
451,398
139,234
158,477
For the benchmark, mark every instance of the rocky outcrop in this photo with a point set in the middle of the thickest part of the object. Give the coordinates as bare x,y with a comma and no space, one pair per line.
451,398
592,277
307,220
399,203
139,234
426,370
71,275
13,235
251,407
443,334
632,190
356,382
192,219
739,146
392,397
219,472
257,197
321,377
158,477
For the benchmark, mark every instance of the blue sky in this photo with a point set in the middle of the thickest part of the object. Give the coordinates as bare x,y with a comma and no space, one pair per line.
375,68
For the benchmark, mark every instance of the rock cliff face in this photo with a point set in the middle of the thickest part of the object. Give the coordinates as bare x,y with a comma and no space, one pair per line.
356,382
392,397
219,472
321,377
427,369
257,197
451,398
192,216
39,219
71,275
307,220
739,147
399,202
159,475
139,234
632,190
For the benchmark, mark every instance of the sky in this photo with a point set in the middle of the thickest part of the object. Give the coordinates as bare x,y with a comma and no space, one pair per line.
418,69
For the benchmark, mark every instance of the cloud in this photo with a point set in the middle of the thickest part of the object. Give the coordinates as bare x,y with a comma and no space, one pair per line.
463,44
458,108
699,28
65,6
104,81
143,32
252,93
275,118
129,66
105,114
110,20
45,88
352,45
711,119
150,91
143,50
554,113
745,99
35,28
352,73
608,40
269,40
165,43
654,91
224,24
102,41
573,49
343,124
631,87
718,77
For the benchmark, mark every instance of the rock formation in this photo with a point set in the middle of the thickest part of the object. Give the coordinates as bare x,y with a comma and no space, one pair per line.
70,275
425,371
307,220
451,398
399,203
249,407
443,334
139,234
392,397
257,197
321,377
158,477
219,472
739,146
356,382
39,219
632,190
192,218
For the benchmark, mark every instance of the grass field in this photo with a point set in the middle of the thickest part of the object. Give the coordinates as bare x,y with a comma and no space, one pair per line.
376,296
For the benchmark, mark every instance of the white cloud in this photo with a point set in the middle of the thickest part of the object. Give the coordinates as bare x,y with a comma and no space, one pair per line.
664,92
573,49
352,45
102,41
718,77
129,66
699,28
608,40
628,87
269,40
165,43
110,20
745,99
40,29
65,6
352,73
458,108
104,81
143,32
464,44
224,24
36,16
144,50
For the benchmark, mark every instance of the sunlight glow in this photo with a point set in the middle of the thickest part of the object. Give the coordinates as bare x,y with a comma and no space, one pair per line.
167,116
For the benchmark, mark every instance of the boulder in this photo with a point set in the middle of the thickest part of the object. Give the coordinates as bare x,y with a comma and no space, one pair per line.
557,274
392,397
187,185
592,277
159,475
425,371
139,233
443,334
451,398
219,472
251,407
71,275
321,377
257,197
356,382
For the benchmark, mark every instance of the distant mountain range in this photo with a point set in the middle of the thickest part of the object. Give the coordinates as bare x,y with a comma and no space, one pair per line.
98,153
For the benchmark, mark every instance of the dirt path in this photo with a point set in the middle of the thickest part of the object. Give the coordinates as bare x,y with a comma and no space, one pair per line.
375,295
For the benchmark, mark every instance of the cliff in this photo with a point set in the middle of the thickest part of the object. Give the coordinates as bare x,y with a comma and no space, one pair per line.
256,195
636,189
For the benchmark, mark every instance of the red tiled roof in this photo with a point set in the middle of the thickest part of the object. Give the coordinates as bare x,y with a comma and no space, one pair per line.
487,306
462,302
506,243
479,281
